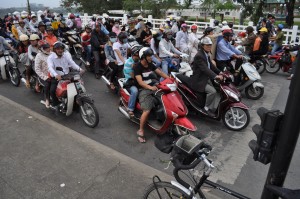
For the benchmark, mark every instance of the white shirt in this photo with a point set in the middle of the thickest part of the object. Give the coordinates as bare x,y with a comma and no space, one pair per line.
166,49
33,26
193,45
65,62
22,31
69,23
152,46
32,49
123,50
182,40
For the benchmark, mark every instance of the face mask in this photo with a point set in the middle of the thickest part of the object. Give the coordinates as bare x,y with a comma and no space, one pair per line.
159,38
125,41
113,40
169,36
117,26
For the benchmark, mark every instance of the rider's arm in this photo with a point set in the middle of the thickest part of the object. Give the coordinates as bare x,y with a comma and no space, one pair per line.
160,73
29,53
73,64
51,67
177,39
107,54
174,50
233,49
104,30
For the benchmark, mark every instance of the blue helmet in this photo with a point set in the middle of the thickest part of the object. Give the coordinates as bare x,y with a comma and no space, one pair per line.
280,26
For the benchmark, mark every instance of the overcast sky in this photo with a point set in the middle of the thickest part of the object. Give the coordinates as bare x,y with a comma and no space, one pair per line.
18,3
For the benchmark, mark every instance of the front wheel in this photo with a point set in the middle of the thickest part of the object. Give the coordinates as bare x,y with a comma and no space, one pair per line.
164,190
260,66
15,77
254,93
236,118
78,52
89,113
273,66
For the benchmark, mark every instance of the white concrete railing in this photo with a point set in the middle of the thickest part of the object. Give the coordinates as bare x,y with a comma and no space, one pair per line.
290,34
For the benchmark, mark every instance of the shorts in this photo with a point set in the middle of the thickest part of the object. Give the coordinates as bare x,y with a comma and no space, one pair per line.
146,99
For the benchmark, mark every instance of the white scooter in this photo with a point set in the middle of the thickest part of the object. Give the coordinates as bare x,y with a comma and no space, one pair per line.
248,79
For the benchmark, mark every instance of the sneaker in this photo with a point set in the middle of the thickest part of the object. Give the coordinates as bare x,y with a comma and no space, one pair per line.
289,78
88,63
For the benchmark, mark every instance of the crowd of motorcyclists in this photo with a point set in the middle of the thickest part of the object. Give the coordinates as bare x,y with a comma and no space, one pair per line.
105,42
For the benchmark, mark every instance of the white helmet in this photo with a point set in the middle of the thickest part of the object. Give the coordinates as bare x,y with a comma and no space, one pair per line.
226,27
206,41
140,17
23,37
224,23
34,37
168,19
145,51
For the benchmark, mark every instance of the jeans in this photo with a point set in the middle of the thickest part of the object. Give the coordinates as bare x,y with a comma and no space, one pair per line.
276,46
88,53
132,99
166,63
156,61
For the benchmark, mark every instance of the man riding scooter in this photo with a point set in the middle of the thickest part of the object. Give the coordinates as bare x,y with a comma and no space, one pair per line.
226,52
204,71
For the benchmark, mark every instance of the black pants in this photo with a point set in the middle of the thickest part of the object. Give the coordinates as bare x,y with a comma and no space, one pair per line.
227,64
99,61
53,86
117,71
46,84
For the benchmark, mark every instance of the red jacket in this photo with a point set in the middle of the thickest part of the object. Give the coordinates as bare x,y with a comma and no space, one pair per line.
86,39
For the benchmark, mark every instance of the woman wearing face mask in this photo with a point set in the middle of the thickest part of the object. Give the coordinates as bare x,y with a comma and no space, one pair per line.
154,45
121,51
116,28
110,56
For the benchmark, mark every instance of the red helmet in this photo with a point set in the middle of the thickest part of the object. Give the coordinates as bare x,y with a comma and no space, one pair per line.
72,16
194,27
242,34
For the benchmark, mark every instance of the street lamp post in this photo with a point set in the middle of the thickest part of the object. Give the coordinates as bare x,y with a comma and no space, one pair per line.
28,8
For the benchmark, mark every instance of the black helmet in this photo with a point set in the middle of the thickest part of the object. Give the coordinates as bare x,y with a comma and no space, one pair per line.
122,35
58,44
208,30
216,22
249,29
135,49
88,26
41,24
112,34
49,28
230,24
149,25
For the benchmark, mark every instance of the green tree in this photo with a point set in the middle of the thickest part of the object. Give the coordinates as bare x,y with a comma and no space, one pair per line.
156,7
187,3
253,9
210,6
227,5
290,4
91,7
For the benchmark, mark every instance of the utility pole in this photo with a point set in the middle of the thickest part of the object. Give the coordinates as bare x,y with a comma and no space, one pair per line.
28,8
287,140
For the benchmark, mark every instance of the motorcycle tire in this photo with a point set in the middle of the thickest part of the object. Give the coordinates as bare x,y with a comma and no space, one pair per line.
260,66
254,95
15,76
242,121
78,53
91,119
273,66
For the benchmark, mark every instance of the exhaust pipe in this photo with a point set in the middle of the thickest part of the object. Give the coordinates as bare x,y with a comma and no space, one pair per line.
105,80
122,110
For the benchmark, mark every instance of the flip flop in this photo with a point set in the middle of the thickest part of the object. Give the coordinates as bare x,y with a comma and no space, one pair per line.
130,113
141,138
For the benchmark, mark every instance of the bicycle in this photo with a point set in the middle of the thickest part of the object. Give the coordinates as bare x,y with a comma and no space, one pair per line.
188,152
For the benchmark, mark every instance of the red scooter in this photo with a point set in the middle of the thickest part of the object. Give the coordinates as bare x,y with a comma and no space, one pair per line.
231,110
169,113
281,60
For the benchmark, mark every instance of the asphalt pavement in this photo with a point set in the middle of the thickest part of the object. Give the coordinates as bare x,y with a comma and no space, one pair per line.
42,159
235,167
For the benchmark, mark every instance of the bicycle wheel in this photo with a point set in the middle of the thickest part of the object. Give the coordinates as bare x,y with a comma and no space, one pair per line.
164,190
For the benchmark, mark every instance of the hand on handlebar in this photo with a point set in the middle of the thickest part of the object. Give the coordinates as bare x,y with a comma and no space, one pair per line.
176,56
239,56
219,77
81,71
58,77
153,88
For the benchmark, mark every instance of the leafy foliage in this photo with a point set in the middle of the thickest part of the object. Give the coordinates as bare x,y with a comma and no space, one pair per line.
91,7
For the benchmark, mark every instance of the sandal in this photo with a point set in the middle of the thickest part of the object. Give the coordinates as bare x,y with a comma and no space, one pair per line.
141,138
37,89
47,104
130,113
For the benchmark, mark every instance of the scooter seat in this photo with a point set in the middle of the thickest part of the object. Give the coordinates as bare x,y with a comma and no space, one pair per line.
185,80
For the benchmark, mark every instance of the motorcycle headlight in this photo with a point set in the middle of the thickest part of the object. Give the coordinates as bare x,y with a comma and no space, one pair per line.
232,94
